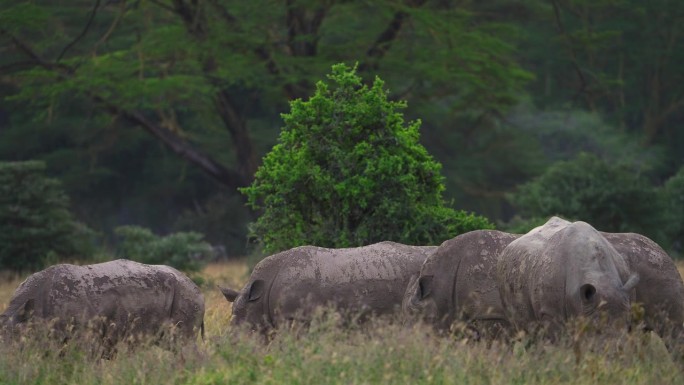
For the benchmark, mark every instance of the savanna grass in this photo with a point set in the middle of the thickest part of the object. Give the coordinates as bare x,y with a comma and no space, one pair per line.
326,353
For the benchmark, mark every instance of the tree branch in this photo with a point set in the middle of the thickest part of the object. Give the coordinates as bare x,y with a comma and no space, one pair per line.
223,175
111,28
234,121
162,5
83,33
35,58
573,54
190,17
223,12
384,41
298,25
17,66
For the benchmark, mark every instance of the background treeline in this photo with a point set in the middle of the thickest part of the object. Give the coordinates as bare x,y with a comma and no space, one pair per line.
154,112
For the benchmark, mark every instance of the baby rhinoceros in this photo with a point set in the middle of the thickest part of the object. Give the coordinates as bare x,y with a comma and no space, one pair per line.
117,299
358,282
457,285
563,270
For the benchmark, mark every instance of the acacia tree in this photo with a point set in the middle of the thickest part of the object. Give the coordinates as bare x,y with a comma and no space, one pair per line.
349,171
182,69
620,58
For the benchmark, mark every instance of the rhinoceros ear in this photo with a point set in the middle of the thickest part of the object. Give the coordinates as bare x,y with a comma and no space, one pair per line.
588,292
255,290
425,286
25,311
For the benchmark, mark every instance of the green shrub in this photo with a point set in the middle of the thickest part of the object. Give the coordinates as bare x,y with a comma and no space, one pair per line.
610,197
348,171
185,251
36,226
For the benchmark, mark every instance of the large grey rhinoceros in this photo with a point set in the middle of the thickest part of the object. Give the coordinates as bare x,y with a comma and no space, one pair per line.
660,289
358,282
563,270
118,299
457,283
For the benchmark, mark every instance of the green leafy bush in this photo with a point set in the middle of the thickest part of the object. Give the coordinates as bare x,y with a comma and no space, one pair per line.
36,226
610,197
183,250
348,171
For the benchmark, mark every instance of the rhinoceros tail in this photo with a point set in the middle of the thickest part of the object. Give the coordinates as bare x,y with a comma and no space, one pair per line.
230,294
202,330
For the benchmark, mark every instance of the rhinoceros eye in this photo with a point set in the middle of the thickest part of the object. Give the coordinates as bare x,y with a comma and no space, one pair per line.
588,292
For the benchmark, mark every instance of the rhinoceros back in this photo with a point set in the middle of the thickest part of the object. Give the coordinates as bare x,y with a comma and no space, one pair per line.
130,296
370,279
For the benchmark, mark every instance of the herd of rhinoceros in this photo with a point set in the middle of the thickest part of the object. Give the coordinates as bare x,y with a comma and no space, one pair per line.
492,282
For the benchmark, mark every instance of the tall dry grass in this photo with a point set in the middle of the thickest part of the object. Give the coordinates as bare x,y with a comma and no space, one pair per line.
326,353
8,283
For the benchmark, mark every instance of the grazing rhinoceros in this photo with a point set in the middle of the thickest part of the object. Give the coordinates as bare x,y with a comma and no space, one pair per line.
660,289
117,299
458,283
359,282
563,270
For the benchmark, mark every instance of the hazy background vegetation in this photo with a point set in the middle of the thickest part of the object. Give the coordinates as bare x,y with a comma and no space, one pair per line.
153,113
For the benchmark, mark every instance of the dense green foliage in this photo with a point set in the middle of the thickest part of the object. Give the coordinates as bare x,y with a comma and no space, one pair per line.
673,198
155,112
349,171
611,197
183,250
36,226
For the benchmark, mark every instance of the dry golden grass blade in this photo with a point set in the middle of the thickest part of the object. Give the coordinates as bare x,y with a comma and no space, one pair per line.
232,274
8,283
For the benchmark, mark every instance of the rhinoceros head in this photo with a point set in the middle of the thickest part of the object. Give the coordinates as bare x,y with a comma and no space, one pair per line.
250,305
419,302
597,278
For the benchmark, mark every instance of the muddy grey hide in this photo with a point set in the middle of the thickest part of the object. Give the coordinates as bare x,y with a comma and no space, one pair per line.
563,270
117,299
358,282
457,283
660,289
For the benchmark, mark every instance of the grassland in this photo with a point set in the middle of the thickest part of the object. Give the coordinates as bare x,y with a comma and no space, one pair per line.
328,354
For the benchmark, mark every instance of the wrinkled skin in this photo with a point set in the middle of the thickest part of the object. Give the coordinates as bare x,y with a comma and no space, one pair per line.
458,283
116,299
563,270
660,289
358,282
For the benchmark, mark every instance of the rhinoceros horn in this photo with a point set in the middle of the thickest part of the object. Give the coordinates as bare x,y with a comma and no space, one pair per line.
230,294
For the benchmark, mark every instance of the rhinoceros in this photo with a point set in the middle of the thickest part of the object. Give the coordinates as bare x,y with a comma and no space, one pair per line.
358,282
660,289
458,283
118,299
562,270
